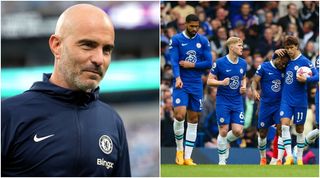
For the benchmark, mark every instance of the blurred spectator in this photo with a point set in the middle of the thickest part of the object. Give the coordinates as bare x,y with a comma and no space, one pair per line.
291,18
270,6
257,60
267,23
252,36
277,34
218,42
283,6
250,108
309,12
208,10
165,57
292,30
266,44
244,18
308,34
309,51
165,13
215,24
204,24
208,122
221,15
184,9
249,138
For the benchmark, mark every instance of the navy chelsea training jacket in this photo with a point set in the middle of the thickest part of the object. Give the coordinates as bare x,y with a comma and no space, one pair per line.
52,131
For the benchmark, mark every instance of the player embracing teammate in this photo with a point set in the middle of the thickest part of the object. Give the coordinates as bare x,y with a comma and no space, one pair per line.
294,101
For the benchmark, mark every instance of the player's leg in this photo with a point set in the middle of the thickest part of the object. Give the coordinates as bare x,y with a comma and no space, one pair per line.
299,120
193,113
264,122
286,114
280,145
180,101
191,135
222,143
223,119
274,157
314,134
262,145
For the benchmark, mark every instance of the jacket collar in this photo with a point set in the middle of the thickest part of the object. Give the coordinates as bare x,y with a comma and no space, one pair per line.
63,94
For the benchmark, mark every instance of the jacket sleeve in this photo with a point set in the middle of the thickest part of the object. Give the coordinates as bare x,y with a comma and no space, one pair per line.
7,134
207,63
123,168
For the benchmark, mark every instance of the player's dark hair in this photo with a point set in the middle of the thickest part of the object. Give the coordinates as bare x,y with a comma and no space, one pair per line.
192,18
291,40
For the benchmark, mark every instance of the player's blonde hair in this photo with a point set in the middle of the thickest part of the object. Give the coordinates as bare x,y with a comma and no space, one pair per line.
233,40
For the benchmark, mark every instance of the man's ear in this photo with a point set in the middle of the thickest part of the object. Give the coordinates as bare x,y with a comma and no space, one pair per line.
55,46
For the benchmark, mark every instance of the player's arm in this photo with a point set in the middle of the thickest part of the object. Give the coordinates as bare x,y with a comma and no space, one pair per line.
254,86
243,86
313,78
205,64
213,81
174,57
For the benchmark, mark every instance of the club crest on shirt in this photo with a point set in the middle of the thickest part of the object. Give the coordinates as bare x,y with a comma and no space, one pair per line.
198,45
178,100
281,113
259,67
221,119
296,67
105,144
262,124
241,71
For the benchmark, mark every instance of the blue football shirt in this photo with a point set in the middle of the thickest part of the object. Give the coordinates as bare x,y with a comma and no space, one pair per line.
294,92
271,80
196,50
224,68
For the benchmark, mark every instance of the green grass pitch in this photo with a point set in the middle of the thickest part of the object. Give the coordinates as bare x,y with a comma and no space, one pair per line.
211,170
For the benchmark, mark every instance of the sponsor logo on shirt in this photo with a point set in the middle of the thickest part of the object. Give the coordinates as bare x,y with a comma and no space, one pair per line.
107,164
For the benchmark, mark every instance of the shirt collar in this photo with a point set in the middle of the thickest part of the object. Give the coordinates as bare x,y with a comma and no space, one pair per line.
185,35
231,60
296,57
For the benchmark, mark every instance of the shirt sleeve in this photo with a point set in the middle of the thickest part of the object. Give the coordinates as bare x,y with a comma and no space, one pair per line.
207,62
214,70
174,56
260,71
315,75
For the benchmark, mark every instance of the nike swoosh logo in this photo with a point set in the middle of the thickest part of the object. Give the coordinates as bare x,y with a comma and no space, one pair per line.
228,70
39,139
270,73
184,44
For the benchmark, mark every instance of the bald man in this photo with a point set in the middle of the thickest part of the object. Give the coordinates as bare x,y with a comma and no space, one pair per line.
59,127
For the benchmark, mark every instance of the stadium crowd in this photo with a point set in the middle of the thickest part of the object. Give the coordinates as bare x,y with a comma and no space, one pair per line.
261,26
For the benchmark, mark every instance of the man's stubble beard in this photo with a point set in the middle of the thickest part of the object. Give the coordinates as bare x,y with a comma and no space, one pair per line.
72,74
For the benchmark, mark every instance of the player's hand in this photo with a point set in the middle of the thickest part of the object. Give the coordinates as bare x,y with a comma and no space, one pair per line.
179,82
226,81
301,78
243,90
280,52
256,95
186,64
